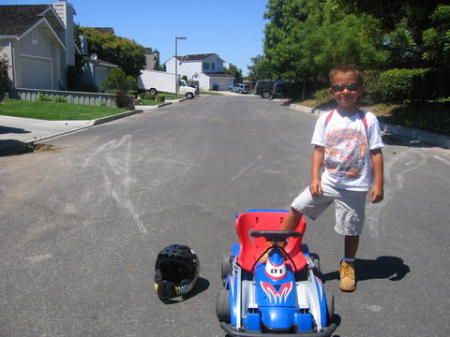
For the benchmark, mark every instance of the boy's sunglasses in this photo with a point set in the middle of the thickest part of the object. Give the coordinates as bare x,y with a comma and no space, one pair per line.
348,86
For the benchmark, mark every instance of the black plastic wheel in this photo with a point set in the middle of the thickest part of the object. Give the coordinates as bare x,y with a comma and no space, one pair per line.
266,94
223,306
226,266
190,95
153,92
330,305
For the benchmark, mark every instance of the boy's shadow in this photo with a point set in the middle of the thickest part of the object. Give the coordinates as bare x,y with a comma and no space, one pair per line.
384,267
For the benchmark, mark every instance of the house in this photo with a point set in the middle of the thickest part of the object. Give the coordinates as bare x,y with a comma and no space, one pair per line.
151,59
207,69
38,43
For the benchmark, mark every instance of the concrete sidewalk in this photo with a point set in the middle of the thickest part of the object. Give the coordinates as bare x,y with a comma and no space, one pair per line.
18,132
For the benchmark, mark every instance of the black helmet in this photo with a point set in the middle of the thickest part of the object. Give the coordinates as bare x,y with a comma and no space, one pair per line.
176,271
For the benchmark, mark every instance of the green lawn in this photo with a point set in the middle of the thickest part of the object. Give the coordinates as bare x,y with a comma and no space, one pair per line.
55,111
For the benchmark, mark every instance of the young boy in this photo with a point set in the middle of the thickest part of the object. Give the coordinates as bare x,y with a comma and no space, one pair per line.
347,162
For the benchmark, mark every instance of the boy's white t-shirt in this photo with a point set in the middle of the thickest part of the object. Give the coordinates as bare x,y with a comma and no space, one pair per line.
347,163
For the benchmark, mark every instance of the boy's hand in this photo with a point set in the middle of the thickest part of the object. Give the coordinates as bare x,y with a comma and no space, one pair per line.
315,188
376,194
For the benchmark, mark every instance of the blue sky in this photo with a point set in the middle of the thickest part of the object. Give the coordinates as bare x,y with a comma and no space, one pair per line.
234,29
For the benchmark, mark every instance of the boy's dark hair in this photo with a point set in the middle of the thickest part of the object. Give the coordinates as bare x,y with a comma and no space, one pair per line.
346,68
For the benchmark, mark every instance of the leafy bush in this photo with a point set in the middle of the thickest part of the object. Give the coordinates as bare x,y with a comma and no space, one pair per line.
149,97
60,99
116,80
160,98
322,96
123,100
401,85
44,98
3,77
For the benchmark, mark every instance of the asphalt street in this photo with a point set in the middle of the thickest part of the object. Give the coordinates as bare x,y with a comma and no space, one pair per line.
82,220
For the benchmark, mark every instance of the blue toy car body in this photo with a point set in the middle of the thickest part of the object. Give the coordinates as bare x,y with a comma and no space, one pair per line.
272,296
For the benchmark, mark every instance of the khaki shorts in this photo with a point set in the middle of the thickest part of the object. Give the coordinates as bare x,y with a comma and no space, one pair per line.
349,207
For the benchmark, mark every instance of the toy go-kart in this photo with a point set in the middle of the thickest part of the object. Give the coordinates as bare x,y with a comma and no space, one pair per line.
270,290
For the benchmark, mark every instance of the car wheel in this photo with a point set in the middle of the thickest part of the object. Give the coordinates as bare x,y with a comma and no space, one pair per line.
189,95
223,306
153,92
266,94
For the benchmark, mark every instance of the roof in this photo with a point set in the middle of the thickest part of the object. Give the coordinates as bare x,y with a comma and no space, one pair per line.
223,75
195,57
16,19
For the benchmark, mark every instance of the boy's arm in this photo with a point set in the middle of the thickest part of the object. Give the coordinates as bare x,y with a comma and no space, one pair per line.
377,191
316,169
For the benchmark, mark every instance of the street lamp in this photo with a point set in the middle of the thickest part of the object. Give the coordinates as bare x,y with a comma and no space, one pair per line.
176,61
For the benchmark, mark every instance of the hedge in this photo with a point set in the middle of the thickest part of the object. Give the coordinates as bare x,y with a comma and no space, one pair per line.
401,85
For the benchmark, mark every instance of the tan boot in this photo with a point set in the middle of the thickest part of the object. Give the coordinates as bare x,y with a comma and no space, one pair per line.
347,275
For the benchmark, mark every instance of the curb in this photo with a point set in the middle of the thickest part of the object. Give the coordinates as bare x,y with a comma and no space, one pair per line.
397,130
114,117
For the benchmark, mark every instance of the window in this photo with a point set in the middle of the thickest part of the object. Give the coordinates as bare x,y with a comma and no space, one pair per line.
205,66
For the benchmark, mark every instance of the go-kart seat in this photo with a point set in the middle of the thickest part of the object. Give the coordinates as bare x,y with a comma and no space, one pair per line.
252,248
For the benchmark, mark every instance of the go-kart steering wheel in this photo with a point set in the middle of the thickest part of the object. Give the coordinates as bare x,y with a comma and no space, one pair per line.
276,236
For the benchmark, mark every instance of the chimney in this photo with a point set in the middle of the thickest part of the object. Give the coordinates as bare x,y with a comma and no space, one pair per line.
66,12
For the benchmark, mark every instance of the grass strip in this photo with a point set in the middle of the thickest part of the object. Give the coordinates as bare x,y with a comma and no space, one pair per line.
55,111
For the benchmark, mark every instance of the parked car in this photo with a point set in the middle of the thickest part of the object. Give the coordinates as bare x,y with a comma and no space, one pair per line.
264,88
241,88
269,88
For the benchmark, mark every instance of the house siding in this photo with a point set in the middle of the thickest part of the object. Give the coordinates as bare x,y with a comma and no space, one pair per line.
46,48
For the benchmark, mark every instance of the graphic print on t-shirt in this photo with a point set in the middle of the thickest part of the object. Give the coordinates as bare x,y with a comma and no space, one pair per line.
345,151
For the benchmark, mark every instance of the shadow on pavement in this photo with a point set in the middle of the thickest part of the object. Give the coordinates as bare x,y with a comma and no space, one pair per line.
403,141
384,267
10,147
201,285
8,129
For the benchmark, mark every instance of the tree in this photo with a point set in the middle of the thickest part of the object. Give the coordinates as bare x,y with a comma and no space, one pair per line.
235,71
4,79
259,69
126,53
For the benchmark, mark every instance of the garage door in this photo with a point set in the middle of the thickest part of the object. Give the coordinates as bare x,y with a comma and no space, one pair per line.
35,73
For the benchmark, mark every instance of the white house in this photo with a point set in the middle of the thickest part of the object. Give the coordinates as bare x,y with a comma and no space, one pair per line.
207,69
38,43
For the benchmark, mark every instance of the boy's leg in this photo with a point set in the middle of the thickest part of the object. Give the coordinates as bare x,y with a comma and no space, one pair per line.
292,219
351,246
347,267
350,209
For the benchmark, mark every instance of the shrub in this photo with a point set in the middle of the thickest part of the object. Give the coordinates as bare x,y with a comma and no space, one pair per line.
401,85
60,99
116,80
160,98
3,77
123,100
44,98
322,96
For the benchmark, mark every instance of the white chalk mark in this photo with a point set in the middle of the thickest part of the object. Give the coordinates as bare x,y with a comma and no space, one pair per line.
39,258
118,182
245,169
445,161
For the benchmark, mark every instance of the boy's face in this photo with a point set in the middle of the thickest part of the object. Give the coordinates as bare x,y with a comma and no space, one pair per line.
345,89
